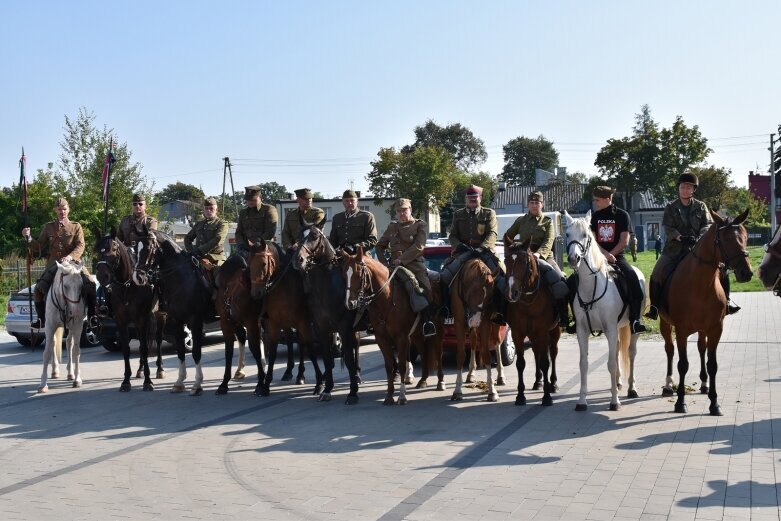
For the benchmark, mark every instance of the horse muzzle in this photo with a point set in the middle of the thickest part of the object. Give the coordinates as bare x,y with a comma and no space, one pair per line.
743,274
573,260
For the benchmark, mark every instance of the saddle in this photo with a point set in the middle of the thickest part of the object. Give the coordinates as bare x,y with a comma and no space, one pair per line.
417,298
666,276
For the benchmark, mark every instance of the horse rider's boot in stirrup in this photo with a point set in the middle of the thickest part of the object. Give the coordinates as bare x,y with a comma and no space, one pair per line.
40,310
637,327
732,308
652,313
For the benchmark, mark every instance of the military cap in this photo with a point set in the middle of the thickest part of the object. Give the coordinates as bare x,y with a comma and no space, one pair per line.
603,192
139,198
210,201
535,196
473,191
403,203
349,194
251,191
304,193
60,201
688,177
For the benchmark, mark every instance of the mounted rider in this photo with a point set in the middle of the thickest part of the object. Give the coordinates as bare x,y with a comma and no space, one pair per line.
685,220
474,233
62,240
353,227
611,226
537,229
131,225
406,238
257,221
305,213
206,238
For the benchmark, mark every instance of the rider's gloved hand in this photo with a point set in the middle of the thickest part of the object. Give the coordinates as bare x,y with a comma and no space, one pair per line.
349,248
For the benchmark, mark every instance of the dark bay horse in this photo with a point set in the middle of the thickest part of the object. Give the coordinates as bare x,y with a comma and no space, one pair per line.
183,294
238,311
370,284
280,288
324,285
696,302
470,297
531,313
130,304
770,267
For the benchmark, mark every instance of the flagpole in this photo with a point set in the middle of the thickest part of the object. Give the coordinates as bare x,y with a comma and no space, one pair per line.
106,182
26,224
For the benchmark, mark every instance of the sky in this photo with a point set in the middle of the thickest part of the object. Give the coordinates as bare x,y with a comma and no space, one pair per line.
305,93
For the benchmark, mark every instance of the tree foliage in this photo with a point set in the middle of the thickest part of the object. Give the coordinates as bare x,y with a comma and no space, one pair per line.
466,150
273,191
737,199
523,155
180,192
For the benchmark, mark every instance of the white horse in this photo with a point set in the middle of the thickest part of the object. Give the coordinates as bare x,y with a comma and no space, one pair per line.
598,307
65,308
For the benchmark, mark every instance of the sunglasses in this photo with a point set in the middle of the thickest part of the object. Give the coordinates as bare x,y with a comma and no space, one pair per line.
138,204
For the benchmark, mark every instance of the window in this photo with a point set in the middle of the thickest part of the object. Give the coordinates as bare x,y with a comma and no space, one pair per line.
364,208
653,231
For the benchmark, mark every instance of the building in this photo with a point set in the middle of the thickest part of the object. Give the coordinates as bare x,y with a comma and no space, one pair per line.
759,186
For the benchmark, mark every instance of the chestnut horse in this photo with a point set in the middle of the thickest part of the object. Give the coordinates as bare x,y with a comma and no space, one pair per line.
470,297
281,290
696,302
130,304
770,268
531,313
238,310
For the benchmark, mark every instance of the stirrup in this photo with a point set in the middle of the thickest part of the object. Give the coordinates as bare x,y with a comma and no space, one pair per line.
571,328
37,324
653,313
732,308
637,327
93,322
429,329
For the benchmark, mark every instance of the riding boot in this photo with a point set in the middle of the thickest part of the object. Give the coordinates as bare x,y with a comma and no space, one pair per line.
500,308
562,308
90,294
635,306
40,310
572,284
429,329
653,293
732,308
445,292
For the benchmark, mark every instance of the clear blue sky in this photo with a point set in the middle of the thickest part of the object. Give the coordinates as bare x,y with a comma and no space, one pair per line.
305,93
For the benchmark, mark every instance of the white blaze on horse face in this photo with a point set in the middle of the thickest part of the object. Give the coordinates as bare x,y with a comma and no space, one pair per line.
306,233
349,277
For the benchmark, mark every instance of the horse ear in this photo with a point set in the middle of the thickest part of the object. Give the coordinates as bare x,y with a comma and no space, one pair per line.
567,218
588,216
740,218
322,222
716,217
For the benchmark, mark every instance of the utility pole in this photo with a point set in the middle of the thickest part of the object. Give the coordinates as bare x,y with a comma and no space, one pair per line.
227,173
773,222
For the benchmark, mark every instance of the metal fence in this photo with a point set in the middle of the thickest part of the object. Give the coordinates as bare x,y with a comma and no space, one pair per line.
13,274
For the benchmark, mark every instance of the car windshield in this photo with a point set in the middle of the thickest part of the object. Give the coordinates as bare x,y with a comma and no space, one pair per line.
434,261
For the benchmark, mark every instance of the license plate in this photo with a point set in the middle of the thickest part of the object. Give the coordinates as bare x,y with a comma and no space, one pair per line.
24,310
449,321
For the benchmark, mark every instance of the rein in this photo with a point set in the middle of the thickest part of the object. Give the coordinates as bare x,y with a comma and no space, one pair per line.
364,299
588,306
527,273
724,264
63,308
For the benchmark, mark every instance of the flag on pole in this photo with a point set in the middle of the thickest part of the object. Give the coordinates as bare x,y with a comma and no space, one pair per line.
23,182
110,159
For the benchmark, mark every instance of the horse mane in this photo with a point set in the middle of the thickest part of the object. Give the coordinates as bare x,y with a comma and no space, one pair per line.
165,240
596,258
230,267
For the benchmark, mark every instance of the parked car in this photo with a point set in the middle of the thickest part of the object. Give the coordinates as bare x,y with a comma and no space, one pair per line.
17,322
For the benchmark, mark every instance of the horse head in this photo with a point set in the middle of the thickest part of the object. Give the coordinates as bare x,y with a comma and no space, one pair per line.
522,270
263,264
357,278
110,259
312,248
475,290
731,241
147,249
770,268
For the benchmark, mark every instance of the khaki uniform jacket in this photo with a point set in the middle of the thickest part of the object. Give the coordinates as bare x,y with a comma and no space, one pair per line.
675,224
537,228
209,237
255,224
58,241
127,228
292,226
406,242
477,229
358,229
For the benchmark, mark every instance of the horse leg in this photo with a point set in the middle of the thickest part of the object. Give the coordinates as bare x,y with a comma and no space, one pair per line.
229,337
425,363
386,347
582,404
458,394
537,371
713,366
291,361
124,341
271,340
632,352
350,353
69,365
666,330
357,362
683,366
197,331
57,358
306,343
612,366
178,386
144,334
499,366
159,325
540,346
324,342
75,356
520,366
470,376
241,336
253,341
553,349
48,351
406,369
702,347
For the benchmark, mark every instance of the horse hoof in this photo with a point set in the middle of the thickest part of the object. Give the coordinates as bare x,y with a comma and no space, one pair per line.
667,391
196,391
547,401
457,397
440,386
76,384
715,410
581,407
324,397
300,380
470,379
351,399
318,390
70,376
43,389
537,386
389,400
681,407
421,384
704,389
632,394
139,374
239,375
125,387
262,390
358,378
615,406
554,388
287,376
396,378
148,387
223,389
177,388
402,401
408,380
619,386
160,375
493,397
500,381
55,375
520,400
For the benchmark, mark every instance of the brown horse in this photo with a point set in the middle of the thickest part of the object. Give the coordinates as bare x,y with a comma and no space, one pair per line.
770,269
281,289
369,283
531,313
470,298
236,308
696,301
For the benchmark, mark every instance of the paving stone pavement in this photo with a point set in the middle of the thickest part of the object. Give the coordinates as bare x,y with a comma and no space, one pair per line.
96,453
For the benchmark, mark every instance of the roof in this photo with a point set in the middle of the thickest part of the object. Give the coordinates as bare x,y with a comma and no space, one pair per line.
558,197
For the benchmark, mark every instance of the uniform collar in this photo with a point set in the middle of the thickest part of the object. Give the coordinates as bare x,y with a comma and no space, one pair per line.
353,214
63,222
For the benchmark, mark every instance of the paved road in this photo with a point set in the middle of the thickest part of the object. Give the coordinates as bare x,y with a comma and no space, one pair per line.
95,453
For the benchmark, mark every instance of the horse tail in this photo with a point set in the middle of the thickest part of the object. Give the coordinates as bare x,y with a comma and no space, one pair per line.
624,337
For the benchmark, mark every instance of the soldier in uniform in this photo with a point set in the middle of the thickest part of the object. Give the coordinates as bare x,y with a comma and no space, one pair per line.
129,225
257,221
684,221
354,227
537,229
209,235
474,230
63,239
406,238
306,212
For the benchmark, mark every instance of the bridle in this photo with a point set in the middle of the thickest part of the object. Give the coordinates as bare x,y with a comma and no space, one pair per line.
726,260
583,257
366,283
266,278
111,259
63,307
321,249
146,269
527,274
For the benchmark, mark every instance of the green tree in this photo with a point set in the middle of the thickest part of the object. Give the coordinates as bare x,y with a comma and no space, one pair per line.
736,200
180,192
273,191
523,155
467,150
681,148
714,184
